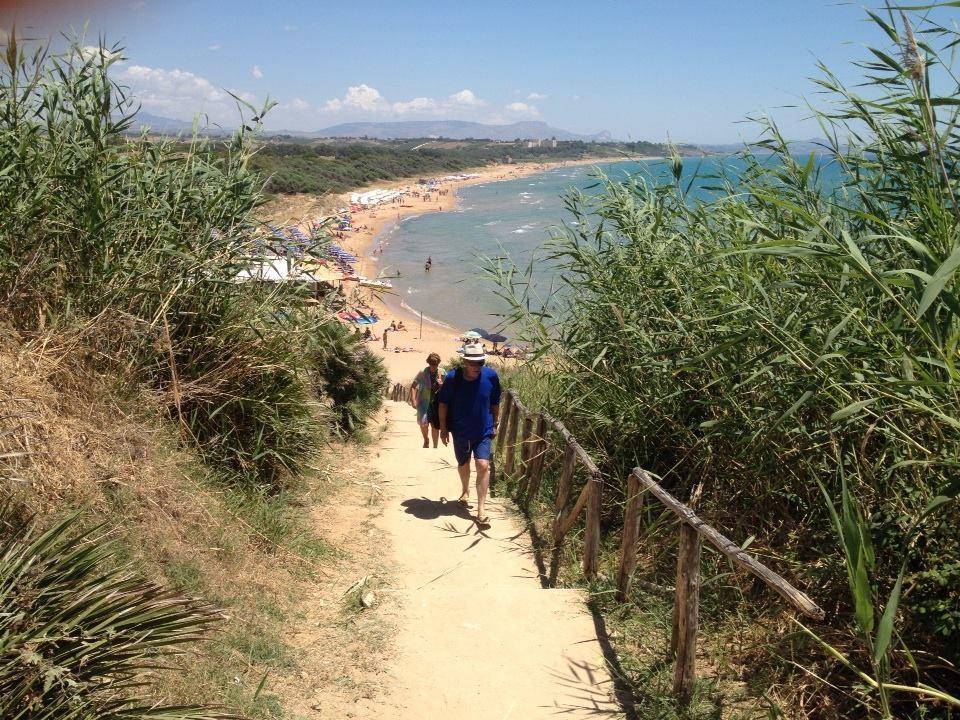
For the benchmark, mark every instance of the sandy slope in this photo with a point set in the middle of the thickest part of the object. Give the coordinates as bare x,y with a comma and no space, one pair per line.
479,637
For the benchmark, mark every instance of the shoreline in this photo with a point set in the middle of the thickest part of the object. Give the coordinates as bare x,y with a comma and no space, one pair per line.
405,352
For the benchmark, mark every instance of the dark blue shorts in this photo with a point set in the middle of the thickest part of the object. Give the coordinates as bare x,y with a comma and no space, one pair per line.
480,449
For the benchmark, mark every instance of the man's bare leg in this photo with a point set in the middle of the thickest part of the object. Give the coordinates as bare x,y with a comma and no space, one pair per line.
483,483
464,472
436,436
423,430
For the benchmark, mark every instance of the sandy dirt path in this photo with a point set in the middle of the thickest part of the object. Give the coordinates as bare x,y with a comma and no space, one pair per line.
478,636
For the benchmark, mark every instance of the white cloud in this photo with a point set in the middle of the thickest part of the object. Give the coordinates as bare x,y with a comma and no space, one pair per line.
181,94
420,104
297,104
257,72
214,47
536,96
138,5
366,99
359,97
466,97
89,52
519,108
289,28
575,97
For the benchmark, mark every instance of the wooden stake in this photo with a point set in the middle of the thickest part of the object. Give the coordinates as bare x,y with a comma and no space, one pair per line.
511,438
686,613
591,535
538,458
525,455
563,496
631,533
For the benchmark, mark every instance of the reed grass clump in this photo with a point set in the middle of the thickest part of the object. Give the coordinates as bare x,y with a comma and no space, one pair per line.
789,333
135,243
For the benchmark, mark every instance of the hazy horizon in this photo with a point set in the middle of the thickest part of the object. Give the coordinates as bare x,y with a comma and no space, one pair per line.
690,72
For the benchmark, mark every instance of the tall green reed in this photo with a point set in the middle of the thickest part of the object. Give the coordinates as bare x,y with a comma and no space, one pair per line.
138,241
783,333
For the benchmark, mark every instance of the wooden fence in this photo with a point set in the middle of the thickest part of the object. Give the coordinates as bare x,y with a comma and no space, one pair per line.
398,393
532,433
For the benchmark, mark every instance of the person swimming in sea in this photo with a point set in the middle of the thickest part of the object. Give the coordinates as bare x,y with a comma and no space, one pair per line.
428,264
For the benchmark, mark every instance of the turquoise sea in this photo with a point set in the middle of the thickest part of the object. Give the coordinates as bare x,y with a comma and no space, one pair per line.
509,218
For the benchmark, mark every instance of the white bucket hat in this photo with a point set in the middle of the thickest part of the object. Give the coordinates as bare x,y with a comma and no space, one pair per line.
474,353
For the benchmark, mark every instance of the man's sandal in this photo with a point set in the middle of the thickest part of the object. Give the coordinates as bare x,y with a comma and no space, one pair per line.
464,499
483,521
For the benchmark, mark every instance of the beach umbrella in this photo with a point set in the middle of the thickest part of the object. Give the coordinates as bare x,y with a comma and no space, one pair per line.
497,338
472,334
480,332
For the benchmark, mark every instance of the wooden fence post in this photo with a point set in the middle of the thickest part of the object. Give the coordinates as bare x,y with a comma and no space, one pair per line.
686,612
631,533
525,455
563,496
511,438
591,535
538,458
506,409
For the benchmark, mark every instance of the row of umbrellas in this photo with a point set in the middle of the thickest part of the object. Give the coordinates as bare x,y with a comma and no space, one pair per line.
480,333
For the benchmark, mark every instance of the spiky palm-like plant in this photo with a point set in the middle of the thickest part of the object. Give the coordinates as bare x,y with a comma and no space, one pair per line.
79,635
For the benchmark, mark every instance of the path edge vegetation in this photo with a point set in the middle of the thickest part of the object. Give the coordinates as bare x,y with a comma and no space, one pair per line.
789,348
160,422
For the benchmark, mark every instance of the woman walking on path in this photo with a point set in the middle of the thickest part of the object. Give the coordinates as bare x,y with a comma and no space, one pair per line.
424,390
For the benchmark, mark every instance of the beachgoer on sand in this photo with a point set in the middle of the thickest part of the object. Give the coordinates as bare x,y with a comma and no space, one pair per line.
424,394
393,325
469,403
385,331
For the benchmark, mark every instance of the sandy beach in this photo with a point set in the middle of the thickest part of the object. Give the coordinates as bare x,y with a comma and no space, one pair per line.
406,350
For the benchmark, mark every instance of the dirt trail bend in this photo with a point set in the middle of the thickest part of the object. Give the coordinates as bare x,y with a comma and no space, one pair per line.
479,636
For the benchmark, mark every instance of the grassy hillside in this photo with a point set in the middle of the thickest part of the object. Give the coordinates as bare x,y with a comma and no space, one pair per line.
145,391
336,167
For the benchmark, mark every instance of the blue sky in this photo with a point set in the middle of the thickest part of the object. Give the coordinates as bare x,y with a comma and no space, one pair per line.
687,69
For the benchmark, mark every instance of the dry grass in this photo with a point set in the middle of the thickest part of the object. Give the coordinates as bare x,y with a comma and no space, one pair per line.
277,567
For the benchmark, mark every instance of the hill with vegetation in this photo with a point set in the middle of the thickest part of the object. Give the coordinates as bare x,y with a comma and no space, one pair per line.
158,418
336,167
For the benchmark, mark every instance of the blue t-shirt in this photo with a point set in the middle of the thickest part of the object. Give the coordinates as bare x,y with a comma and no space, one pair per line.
468,403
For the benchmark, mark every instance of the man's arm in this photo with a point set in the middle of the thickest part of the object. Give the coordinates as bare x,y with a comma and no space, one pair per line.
444,432
495,411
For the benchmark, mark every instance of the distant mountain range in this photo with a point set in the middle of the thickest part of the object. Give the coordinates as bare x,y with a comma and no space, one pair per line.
449,129
161,125
455,130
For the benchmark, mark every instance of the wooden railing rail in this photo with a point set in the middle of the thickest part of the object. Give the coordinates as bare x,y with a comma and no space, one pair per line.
531,429
519,425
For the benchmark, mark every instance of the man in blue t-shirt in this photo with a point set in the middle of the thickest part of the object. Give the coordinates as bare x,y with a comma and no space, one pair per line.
469,403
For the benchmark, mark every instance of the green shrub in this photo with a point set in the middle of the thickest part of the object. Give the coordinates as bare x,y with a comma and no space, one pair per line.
785,333
138,242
